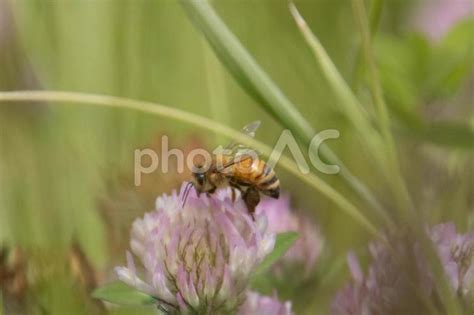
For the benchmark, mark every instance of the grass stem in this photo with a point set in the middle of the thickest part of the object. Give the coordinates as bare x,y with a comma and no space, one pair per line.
350,105
312,180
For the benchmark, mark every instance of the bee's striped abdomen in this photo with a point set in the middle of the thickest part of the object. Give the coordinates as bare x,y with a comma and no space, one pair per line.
258,174
267,181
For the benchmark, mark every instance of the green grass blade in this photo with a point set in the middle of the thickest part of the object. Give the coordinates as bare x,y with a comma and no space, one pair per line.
375,15
374,20
312,180
260,86
349,104
243,66
377,93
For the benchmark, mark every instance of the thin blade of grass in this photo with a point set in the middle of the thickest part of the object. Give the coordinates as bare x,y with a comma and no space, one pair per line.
58,97
348,102
259,85
244,67
350,105
374,18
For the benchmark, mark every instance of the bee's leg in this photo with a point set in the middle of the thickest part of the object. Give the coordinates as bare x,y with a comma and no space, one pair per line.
251,197
233,194
211,191
234,187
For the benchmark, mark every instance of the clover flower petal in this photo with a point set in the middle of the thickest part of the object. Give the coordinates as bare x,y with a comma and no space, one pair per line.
264,305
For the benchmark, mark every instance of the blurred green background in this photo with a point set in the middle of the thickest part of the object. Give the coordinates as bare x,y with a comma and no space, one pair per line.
67,197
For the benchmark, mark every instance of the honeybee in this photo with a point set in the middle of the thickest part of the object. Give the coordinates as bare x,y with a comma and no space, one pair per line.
241,169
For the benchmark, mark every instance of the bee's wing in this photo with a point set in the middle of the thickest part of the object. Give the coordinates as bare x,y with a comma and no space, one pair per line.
248,130
251,128
240,151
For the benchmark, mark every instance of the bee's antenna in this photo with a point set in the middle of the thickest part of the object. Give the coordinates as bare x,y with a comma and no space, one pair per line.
187,189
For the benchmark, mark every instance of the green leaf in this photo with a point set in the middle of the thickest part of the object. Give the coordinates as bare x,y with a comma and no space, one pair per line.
120,293
415,71
452,62
283,242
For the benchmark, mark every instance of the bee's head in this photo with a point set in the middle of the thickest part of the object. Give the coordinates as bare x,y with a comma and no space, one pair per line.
200,181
